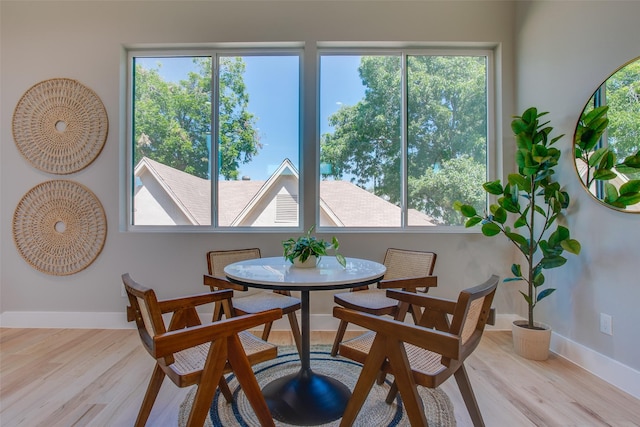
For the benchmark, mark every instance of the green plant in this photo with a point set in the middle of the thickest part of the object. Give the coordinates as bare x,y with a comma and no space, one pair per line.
308,245
531,201
602,161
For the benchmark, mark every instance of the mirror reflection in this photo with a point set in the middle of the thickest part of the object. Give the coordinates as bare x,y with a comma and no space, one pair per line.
607,141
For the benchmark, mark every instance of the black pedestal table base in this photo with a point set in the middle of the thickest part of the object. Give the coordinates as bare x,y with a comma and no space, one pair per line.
306,398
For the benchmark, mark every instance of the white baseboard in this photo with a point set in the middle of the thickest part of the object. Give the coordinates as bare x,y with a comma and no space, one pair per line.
612,371
64,320
615,373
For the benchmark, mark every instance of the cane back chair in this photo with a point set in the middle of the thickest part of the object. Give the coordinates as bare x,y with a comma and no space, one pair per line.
254,301
409,270
425,354
189,352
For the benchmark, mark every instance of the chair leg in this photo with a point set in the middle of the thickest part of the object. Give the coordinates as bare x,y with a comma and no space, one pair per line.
213,368
416,313
266,331
244,373
227,309
467,395
225,390
217,311
370,369
401,369
342,328
150,396
393,392
295,330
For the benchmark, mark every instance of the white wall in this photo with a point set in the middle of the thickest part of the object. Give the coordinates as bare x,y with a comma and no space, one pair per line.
84,41
565,51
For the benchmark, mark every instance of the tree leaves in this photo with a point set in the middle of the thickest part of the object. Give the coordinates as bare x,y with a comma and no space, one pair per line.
173,119
446,132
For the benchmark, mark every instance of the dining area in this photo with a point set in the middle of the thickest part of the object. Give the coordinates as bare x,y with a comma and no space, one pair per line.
386,371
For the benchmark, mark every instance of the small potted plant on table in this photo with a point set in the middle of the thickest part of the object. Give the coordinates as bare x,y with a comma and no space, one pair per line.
306,250
532,200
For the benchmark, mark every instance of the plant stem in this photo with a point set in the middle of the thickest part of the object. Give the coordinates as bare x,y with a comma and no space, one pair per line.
531,246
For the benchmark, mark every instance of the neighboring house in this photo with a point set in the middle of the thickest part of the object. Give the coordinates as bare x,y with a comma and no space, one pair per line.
167,196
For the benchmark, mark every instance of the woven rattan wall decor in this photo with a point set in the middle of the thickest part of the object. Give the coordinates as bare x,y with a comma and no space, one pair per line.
59,227
60,126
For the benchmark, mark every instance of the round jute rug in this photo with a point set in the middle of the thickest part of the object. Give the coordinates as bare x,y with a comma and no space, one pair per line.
375,412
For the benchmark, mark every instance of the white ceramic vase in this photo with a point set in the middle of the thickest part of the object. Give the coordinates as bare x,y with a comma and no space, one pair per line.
310,262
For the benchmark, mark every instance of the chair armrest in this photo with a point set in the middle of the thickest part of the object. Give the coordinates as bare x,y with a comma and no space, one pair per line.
171,305
409,283
219,282
433,340
181,339
430,303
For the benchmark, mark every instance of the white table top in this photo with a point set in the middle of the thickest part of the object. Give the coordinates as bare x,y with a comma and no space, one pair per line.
278,273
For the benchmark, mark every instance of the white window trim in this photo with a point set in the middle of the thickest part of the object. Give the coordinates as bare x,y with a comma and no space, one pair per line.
308,206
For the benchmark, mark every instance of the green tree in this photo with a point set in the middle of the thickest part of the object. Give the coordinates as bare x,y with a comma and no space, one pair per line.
439,188
172,120
623,99
446,121
366,138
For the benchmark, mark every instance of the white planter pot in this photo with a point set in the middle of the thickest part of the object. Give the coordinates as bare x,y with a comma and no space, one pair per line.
310,262
532,344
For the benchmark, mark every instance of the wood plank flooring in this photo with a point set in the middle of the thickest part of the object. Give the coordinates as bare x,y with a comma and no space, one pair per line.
76,377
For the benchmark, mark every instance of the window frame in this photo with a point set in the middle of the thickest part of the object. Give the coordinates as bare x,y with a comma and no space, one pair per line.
215,53
308,55
404,51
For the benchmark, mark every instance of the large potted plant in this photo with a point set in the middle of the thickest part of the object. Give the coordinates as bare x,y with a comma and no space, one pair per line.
528,205
306,250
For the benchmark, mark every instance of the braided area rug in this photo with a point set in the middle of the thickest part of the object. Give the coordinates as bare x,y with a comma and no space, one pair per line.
375,412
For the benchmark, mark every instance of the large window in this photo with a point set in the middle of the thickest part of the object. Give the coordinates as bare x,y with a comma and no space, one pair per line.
252,162
402,135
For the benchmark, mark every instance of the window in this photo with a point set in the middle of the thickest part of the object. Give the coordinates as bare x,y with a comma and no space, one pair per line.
256,123
402,135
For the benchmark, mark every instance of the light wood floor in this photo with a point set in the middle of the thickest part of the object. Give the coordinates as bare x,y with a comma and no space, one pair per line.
72,377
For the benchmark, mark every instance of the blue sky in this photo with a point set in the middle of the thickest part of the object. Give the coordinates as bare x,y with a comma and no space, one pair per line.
273,86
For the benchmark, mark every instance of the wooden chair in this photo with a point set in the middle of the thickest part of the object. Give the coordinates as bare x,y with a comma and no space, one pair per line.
425,354
189,352
256,300
407,270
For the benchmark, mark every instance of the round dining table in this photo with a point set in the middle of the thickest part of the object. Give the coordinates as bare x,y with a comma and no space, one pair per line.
305,397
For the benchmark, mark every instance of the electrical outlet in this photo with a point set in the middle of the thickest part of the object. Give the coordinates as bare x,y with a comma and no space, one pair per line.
606,326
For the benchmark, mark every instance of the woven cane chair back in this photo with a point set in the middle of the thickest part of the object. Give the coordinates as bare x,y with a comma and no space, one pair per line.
403,263
218,260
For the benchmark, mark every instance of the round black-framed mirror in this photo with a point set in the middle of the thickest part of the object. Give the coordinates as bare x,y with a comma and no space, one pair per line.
607,140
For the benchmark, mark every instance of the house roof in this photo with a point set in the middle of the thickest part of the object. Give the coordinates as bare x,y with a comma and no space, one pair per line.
347,204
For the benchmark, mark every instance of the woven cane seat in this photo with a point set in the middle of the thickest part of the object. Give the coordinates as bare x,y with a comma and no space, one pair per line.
367,300
192,359
421,360
262,301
